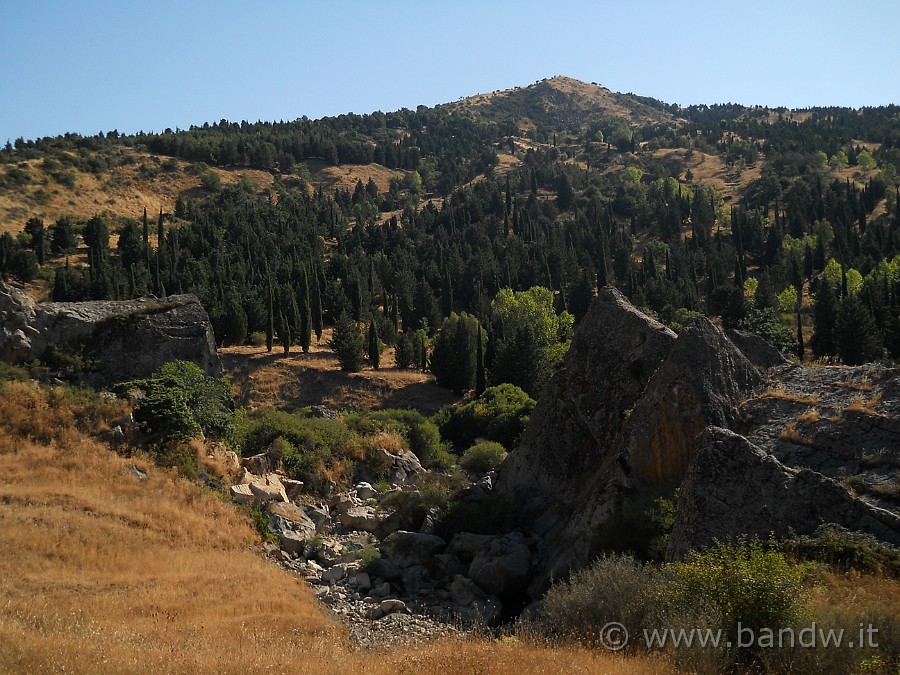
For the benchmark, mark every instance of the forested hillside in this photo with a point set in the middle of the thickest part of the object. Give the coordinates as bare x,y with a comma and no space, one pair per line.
782,222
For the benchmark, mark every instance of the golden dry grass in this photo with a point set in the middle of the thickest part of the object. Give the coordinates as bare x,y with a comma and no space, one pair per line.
791,434
121,192
104,572
780,393
261,379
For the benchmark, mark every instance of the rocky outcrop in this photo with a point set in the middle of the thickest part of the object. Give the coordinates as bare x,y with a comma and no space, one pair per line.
759,352
117,340
624,419
702,382
733,487
578,418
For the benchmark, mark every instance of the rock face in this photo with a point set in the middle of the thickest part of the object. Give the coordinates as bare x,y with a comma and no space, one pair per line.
626,418
119,340
613,354
733,486
760,353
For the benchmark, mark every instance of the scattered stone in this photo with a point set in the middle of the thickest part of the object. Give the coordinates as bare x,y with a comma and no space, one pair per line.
407,549
291,525
359,518
139,474
257,464
365,491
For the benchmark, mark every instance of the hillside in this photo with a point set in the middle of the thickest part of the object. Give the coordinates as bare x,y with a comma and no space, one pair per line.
561,103
122,566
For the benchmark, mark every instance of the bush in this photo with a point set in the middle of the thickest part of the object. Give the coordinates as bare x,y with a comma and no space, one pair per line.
845,550
181,401
257,338
500,414
744,583
483,457
614,588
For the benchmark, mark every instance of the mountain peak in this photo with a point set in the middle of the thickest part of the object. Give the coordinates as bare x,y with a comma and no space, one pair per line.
557,102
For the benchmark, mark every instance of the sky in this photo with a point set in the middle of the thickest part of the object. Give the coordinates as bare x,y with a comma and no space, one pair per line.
95,65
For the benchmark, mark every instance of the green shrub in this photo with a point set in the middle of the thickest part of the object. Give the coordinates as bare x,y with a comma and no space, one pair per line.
614,588
500,414
483,457
845,550
256,431
422,434
181,401
262,524
164,416
641,528
743,583
257,338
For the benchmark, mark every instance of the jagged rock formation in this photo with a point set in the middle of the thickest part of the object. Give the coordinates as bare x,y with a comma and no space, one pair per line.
626,417
734,487
117,340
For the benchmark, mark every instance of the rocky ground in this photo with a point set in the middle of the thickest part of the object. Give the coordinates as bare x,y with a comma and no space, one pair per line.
389,586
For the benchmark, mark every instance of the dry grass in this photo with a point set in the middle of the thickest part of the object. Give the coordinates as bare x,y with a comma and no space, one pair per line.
295,380
104,572
864,384
779,393
121,192
860,404
792,435
809,418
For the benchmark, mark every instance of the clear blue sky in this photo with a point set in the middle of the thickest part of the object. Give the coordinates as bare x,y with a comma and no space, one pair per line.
91,65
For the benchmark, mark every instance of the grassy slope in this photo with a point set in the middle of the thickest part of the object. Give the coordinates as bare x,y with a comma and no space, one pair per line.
295,380
103,572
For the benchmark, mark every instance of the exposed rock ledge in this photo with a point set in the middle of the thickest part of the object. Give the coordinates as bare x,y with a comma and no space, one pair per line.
117,339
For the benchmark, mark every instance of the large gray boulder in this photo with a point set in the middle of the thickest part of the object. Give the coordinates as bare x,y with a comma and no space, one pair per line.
502,564
734,488
407,549
291,525
119,340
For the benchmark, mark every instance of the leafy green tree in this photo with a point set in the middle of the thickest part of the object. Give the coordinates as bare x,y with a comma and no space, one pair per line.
533,338
348,343
768,325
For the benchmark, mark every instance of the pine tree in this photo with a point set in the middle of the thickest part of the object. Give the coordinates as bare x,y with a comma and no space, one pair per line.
348,343
824,317
856,334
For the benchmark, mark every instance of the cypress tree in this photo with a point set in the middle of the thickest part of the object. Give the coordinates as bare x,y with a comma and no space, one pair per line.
348,343
374,346
270,318
159,230
856,335
146,229
316,301
305,319
800,347
824,317
480,374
